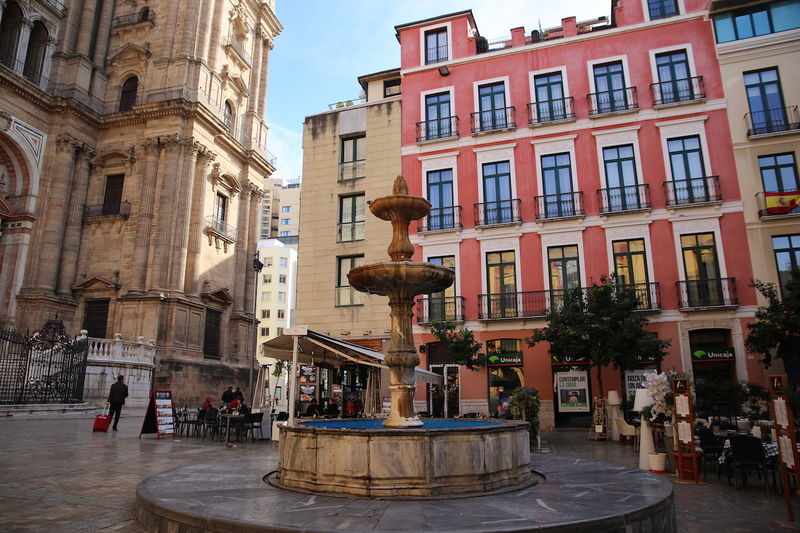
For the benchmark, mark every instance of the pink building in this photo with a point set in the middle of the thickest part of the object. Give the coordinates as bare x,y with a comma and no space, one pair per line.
553,158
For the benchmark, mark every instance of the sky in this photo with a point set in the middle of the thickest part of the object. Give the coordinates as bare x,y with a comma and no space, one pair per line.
326,45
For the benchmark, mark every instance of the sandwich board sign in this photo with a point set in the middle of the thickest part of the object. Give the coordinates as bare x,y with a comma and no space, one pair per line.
160,416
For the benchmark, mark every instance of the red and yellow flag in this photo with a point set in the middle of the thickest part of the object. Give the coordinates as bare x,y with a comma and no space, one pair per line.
780,203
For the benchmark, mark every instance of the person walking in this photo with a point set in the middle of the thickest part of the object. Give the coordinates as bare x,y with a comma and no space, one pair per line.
116,398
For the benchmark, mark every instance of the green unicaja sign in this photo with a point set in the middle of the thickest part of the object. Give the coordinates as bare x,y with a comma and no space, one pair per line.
725,353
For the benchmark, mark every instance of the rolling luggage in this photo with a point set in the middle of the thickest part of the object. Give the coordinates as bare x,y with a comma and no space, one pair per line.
102,421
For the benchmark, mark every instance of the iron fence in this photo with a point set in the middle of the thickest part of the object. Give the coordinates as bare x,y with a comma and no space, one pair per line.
46,367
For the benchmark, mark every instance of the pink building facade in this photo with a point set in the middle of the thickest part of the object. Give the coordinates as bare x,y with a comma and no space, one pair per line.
553,158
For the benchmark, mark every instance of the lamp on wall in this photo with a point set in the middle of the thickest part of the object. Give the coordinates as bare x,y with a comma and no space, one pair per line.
444,71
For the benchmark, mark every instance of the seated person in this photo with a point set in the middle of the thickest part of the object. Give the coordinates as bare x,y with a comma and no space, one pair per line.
235,403
332,409
207,404
313,408
503,411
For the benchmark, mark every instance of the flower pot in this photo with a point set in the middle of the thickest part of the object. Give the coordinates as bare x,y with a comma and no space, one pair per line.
657,462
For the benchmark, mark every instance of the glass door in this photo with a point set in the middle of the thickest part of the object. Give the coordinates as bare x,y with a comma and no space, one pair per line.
688,170
437,116
609,83
440,195
550,98
443,400
673,77
764,96
498,208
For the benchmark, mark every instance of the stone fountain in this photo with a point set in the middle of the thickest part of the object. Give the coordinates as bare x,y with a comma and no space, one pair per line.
401,280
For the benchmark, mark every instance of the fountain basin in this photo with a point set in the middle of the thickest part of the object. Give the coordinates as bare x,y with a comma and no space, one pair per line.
446,458
403,279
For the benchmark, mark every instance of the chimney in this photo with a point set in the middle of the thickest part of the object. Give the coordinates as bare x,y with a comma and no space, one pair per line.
569,27
518,36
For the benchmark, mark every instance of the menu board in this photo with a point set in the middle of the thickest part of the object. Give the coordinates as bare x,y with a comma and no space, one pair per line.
308,374
159,418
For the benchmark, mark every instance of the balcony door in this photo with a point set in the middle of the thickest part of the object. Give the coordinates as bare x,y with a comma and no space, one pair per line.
703,283
609,83
550,103
622,193
492,106
688,170
764,96
501,282
630,267
440,195
558,199
497,199
437,116
673,77
442,305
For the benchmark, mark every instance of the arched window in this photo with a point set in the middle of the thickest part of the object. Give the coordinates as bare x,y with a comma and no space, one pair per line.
35,56
127,97
227,116
144,15
10,28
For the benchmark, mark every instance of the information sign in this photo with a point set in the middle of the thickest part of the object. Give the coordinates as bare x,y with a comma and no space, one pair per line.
160,415
573,392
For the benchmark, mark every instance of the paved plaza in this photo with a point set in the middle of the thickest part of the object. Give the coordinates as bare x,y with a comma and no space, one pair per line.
56,475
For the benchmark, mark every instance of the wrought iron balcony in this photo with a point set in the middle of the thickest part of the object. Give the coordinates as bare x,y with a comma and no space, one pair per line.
704,293
347,296
352,170
238,48
102,210
430,308
780,204
693,191
778,120
498,213
221,229
146,15
676,91
439,128
648,295
493,120
441,219
563,205
614,101
517,304
350,231
624,199
557,110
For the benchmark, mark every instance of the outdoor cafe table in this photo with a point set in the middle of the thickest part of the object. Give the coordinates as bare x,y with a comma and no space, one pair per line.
228,417
770,450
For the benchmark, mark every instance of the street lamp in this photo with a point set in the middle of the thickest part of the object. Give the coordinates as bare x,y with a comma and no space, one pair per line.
257,266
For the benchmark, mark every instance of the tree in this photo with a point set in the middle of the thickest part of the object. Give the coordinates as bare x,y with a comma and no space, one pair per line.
601,325
776,331
461,344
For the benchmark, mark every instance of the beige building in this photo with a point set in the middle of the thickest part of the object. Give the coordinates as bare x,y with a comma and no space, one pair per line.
758,47
351,154
133,161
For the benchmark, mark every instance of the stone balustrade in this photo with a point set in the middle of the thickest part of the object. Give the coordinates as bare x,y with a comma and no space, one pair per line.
109,358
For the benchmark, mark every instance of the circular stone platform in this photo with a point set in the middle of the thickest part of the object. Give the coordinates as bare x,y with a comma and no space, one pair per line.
578,496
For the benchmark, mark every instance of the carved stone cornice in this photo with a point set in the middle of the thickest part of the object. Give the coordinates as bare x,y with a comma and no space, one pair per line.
255,193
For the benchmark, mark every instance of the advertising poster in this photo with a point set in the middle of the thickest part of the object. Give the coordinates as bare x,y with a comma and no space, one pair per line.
635,379
573,392
307,392
308,374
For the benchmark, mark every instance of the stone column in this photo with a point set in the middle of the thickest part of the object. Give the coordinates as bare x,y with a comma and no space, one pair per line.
103,32
159,269
144,218
201,44
48,61
262,96
72,231
241,261
252,242
183,205
22,44
86,28
189,27
255,75
191,285
56,214
213,47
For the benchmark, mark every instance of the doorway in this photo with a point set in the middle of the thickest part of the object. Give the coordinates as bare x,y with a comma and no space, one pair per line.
443,400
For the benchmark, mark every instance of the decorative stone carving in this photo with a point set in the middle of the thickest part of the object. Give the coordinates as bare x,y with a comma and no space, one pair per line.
5,121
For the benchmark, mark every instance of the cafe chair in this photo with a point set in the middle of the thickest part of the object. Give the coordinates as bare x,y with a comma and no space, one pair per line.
748,455
702,422
192,424
712,448
252,422
211,423
628,431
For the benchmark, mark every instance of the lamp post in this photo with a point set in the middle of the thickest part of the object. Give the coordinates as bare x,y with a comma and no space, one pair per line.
257,266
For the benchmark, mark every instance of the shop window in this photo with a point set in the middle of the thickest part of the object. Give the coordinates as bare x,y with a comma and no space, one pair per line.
504,361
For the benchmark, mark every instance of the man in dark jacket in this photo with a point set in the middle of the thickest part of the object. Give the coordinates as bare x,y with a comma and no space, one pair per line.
116,397
227,396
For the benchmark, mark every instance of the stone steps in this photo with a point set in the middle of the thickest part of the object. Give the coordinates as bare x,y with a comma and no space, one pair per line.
49,409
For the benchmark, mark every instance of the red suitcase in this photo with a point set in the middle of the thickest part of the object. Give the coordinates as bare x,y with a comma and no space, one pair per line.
101,422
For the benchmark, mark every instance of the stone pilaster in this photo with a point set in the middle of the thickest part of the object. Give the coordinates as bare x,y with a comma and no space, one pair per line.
48,60
256,194
183,206
144,219
72,230
189,28
262,95
204,160
241,250
170,170
255,76
103,30
216,32
22,44
86,27
55,219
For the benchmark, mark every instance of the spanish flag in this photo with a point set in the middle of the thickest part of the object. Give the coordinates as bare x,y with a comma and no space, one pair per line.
780,203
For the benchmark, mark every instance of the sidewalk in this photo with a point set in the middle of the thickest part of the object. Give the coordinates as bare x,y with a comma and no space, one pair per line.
58,476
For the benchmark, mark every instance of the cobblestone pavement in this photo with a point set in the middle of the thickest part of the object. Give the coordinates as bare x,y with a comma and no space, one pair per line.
56,475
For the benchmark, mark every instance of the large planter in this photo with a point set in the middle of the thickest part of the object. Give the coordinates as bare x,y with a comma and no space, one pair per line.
658,462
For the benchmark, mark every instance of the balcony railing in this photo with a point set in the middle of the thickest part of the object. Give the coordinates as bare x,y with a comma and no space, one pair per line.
779,204
219,227
497,213
147,15
100,210
352,170
441,219
702,293
614,101
517,304
439,308
550,111
772,121
238,48
648,295
31,75
693,191
347,296
440,128
675,91
624,199
350,231
562,205
493,120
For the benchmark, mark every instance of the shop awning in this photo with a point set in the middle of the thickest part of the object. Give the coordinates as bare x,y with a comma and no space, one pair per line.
318,348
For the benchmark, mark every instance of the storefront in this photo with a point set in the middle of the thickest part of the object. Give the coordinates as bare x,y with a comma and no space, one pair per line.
713,356
572,401
505,369
443,399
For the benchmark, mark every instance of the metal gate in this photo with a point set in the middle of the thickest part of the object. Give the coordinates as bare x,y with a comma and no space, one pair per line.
47,367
